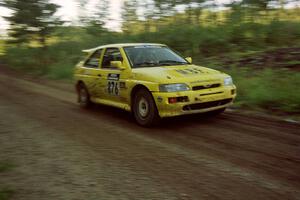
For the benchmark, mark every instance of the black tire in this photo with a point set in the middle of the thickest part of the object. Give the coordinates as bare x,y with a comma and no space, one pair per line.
144,108
83,96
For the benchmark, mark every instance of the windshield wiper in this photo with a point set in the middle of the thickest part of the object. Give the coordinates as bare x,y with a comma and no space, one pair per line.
171,62
146,64
160,63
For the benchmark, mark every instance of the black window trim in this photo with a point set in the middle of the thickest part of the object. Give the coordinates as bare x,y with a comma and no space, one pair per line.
87,60
110,68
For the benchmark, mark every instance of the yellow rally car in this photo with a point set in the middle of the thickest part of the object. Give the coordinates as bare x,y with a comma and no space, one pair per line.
151,81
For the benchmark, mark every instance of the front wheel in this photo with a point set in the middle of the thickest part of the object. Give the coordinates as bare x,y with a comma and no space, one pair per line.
144,108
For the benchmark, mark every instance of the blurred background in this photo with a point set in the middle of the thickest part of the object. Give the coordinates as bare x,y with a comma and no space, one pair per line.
255,41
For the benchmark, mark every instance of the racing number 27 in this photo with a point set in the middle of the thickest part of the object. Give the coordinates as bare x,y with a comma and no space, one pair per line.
113,87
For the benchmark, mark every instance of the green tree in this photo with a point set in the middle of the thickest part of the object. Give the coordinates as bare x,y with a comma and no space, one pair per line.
192,9
95,24
260,4
31,20
129,15
164,9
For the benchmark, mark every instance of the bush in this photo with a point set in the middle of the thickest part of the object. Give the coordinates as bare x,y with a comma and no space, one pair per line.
268,88
61,70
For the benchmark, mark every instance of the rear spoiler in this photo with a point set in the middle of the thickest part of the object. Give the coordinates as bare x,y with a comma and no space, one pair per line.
88,51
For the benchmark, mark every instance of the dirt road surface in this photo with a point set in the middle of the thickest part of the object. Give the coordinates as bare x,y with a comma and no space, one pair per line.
62,152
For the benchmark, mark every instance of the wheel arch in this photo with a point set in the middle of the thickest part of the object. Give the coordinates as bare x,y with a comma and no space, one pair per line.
155,115
137,88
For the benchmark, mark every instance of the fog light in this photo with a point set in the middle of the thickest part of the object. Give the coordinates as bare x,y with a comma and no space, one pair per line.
178,99
172,100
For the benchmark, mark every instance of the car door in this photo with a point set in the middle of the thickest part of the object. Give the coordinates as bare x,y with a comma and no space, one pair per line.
114,79
92,74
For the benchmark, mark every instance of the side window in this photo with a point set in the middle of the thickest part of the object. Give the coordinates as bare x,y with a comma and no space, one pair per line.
111,54
94,59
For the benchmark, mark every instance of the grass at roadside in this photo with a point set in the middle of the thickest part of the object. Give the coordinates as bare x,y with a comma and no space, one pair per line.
268,89
6,193
2,47
266,81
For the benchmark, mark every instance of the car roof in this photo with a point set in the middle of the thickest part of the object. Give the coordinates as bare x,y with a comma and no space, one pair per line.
121,45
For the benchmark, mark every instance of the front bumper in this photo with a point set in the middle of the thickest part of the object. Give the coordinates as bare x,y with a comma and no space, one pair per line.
194,101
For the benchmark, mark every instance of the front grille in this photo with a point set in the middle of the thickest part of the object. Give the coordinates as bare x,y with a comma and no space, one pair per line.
210,104
209,86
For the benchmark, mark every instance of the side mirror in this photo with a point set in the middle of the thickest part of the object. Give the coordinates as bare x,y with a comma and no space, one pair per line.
117,64
189,59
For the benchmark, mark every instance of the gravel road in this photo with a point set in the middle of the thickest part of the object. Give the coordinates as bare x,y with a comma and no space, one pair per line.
63,152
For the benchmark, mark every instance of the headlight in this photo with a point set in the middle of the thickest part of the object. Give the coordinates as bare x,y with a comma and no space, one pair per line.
228,81
173,87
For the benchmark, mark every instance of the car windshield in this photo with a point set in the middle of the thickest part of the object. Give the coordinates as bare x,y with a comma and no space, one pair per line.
152,56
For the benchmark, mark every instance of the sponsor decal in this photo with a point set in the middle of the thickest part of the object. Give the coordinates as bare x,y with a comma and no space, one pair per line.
113,77
123,85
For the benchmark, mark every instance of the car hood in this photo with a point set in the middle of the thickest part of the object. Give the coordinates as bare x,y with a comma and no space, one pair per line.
177,74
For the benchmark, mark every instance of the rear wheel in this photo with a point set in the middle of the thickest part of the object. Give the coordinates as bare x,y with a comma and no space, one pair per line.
83,96
144,108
